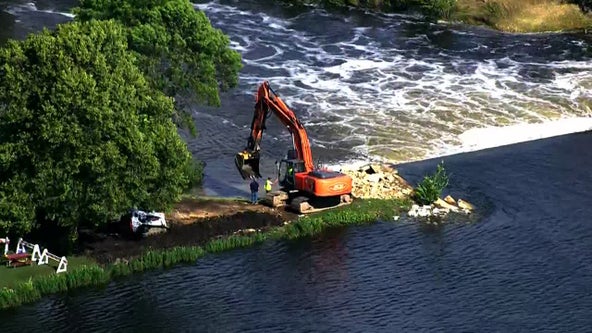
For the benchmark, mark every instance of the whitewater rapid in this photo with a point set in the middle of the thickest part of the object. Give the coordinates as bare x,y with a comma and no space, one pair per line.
391,87
373,82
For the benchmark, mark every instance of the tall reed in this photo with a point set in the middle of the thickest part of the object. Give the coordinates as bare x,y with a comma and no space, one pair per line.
361,211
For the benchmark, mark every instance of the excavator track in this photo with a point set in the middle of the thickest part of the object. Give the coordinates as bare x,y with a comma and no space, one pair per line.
316,210
300,204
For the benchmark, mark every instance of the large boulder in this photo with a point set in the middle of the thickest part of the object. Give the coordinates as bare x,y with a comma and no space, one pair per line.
462,204
445,205
449,199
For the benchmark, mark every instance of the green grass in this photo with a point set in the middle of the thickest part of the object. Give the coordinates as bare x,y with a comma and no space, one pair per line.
32,287
205,198
524,15
10,277
505,15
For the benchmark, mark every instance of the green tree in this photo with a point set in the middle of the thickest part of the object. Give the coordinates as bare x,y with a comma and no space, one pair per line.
83,135
177,47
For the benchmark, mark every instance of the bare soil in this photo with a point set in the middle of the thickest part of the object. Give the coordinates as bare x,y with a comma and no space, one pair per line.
193,222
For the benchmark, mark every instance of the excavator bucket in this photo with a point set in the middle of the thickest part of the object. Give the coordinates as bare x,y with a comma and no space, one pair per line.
247,164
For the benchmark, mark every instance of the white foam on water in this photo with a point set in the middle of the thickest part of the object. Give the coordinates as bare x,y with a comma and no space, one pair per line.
19,9
70,15
490,137
390,99
390,95
16,9
351,164
476,139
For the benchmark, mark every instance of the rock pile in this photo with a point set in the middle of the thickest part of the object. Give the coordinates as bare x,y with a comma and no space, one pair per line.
378,181
441,208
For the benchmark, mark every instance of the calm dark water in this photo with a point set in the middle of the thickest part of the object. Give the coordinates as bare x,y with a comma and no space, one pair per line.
525,266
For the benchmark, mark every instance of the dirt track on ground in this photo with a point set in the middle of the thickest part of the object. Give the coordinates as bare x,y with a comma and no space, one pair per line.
193,222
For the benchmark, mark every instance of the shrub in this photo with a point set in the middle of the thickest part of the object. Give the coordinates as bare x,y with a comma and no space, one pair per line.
195,172
430,188
438,9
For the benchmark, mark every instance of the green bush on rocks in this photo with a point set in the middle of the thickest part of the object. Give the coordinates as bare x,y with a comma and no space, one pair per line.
430,188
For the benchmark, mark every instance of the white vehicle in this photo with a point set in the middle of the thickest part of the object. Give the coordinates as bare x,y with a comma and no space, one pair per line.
141,222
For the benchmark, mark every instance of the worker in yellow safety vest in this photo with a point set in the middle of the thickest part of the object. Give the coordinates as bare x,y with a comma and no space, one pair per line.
290,175
268,184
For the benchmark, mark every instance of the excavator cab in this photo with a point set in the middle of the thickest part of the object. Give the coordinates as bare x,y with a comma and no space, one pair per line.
286,171
247,164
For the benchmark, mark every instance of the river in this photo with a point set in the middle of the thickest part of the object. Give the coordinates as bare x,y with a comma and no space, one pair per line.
392,87
525,266
381,87
372,86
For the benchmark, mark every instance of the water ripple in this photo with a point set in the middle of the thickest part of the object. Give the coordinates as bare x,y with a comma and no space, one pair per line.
403,90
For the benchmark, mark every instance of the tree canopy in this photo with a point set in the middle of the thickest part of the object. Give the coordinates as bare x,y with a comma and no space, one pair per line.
83,135
177,47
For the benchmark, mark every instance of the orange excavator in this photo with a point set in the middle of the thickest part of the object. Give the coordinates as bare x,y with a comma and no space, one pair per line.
303,188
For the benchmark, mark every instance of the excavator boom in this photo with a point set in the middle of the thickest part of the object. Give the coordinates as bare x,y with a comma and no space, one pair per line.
267,103
300,175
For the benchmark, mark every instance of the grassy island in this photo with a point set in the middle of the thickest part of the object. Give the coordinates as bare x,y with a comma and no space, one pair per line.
505,15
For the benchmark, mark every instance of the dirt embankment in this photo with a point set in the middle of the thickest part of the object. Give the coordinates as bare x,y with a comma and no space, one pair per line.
193,222
196,221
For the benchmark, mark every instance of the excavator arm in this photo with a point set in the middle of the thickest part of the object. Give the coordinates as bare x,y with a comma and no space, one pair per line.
303,188
268,103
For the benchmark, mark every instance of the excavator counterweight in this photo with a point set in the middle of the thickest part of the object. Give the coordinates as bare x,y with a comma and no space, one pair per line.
304,188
